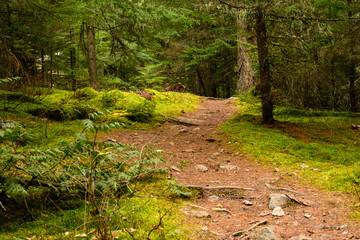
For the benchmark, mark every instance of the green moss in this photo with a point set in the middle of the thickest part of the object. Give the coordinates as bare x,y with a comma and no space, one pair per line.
323,142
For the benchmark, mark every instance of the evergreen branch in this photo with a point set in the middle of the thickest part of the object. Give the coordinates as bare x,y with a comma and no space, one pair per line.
232,6
313,18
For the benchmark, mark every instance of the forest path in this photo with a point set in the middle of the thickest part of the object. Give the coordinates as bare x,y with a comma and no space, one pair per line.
211,162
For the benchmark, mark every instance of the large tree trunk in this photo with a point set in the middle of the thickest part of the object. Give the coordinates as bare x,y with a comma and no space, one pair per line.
264,66
91,45
245,74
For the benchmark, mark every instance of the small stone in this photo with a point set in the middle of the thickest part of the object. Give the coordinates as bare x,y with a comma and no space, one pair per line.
172,143
216,154
229,167
301,237
248,203
176,169
187,141
307,215
325,236
204,229
221,210
247,170
263,214
276,169
136,134
278,212
183,130
266,233
214,198
304,166
201,168
199,214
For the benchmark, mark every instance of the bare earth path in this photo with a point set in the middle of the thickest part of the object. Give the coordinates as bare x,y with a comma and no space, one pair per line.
326,218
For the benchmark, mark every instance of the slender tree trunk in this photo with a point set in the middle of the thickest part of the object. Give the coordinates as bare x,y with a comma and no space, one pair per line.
265,77
245,74
72,66
201,81
91,45
51,68
353,76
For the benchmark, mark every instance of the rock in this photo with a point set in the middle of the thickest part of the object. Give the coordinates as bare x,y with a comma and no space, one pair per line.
248,203
136,134
214,198
204,229
201,168
189,150
276,169
304,166
307,215
199,214
183,130
266,233
221,210
263,214
176,169
229,167
278,212
301,237
278,200
111,140
325,236
172,143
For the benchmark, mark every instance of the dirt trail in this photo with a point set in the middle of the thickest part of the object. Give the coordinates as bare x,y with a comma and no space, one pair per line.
326,218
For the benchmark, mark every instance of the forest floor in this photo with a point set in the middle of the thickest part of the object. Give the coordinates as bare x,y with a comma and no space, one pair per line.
203,156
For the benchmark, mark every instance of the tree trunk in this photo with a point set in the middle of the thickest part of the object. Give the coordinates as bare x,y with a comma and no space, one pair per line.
245,74
91,45
264,66
353,76
72,67
201,81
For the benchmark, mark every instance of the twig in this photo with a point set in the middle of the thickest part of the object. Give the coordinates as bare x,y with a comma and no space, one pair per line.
283,189
2,206
256,225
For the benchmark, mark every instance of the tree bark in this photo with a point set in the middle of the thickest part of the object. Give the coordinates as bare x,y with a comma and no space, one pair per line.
245,74
353,76
72,66
91,45
264,66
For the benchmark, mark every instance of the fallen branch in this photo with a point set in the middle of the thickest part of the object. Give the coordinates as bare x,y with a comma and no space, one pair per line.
244,234
256,225
297,201
220,188
178,121
283,189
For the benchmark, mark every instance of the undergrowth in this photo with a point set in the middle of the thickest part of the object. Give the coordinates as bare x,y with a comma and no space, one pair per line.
58,181
319,146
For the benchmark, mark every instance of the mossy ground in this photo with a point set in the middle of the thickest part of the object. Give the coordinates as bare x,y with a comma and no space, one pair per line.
321,140
55,115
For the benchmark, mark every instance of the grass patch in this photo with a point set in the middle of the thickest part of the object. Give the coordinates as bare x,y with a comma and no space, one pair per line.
321,140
